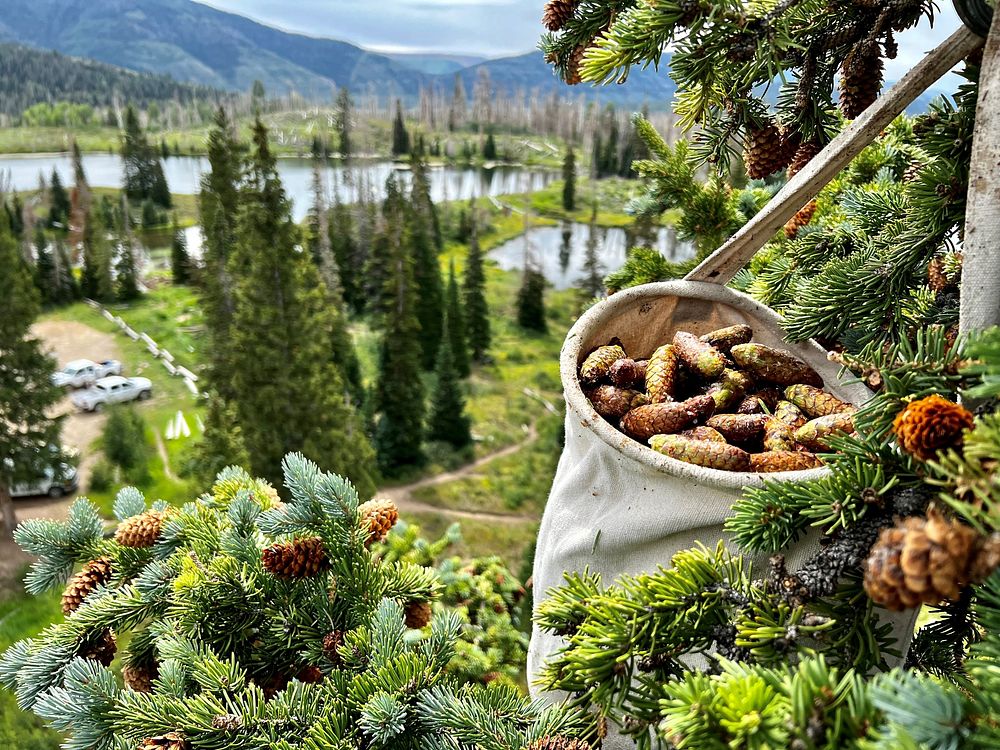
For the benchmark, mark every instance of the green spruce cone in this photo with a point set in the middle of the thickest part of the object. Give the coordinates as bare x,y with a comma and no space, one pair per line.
739,428
726,338
702,359
661,374
597,365
707,453
774,365
815,402
815,433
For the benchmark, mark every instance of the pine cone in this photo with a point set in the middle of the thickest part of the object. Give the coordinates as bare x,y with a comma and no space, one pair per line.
310,674
573,76
140,677
860,78
379,516
767,151
168,741
273,684
922,561
93,574
802,218
101,648
930,424
597,365
803,155
613,403
557,13
299,558
141,530
628,373
559,742
417,614
332,641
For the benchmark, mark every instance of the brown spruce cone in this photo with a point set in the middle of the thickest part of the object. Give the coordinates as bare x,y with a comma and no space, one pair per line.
657,419
332,641
860,78
141,530
310,674
802,217
613,403
922,561
378,516
559,742
767,151
80,586
557,13
273,684
168,741
572,76
299,558
628,373
803,155
930,424
417,614
140,677
101,648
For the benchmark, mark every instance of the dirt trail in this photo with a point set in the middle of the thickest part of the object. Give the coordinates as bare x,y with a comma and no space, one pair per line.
161,449
403,495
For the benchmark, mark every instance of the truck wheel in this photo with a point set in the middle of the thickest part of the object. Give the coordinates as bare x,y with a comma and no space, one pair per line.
145,395
55,492
97,408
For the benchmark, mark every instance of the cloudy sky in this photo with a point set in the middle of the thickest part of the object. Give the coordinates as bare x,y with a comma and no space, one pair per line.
486,27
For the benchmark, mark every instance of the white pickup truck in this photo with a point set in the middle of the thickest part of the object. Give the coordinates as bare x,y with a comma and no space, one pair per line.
55,481
112,390
81,373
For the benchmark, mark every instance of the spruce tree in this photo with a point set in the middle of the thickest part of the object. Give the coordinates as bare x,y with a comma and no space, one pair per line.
477,314
531,301
287,391
490,148
127,262
389,235
144,178
343,123
448,421
27,396
80,199
426,269
44,266
180,261
59,204
569,180
346,253
592,283
400,136
399,395
222,444
456,324
66,288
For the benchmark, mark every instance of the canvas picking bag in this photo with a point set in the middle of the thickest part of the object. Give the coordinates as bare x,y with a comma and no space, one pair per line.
617,506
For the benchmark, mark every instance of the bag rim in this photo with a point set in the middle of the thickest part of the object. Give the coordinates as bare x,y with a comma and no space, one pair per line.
578,404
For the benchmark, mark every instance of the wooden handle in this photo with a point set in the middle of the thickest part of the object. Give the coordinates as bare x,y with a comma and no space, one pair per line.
725,262
980,294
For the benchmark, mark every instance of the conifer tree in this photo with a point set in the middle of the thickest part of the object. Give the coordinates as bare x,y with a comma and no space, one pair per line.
389,236
477,315
80,199
343,123
531,301
400,136
490,147
180,261
96,280
59,204
399,395
44,266
144,178
592,283
569,180
456,324
27,395
345,248
426,269
222,444
127,262
287,391
448,421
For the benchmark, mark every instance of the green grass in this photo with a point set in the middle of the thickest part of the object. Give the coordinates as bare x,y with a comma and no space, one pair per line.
511,541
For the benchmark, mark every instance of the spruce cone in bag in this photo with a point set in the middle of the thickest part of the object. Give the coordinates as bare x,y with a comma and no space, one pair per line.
628,373
815,402
613,403
141,530
739,428
923,561
815,433
93,574
707,453
299,558
657,419
860,78
701,358
378,516
772,461
597,366
557,13
726,338
661,374
168,741
775,365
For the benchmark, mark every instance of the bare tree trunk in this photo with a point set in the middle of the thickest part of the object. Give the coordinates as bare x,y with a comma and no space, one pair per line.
7,509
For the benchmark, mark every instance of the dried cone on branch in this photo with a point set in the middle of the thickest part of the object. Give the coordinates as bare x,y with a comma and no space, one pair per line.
378,516
930,424
922,561
81,585
100,647
168,741
140,677
417,614
558,742
557,13
299,558
572,75
860,78
332,641
767,151
141,530
803,155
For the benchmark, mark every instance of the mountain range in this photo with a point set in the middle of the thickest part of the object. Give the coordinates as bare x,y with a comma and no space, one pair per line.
196,43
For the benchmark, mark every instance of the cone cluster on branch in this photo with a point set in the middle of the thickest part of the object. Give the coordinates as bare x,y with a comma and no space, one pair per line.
923,561
141,530
930,424
378,516
168,741
860,78
557,13
93,574
299,558
768,150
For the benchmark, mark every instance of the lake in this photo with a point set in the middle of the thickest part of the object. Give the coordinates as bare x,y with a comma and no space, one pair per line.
560,252
184,173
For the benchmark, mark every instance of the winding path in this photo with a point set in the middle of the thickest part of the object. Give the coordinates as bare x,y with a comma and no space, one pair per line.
403,495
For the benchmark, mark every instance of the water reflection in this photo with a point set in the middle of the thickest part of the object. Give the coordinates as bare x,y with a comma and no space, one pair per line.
560,253
184,173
